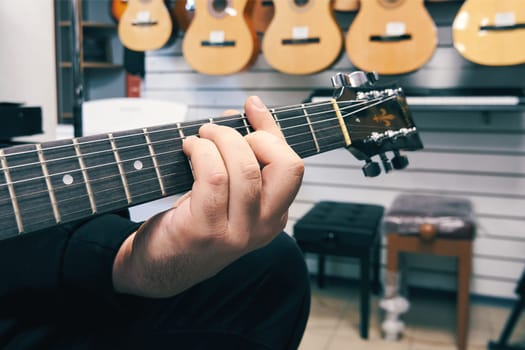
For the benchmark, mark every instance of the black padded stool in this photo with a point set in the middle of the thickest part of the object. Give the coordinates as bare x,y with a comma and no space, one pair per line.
345,229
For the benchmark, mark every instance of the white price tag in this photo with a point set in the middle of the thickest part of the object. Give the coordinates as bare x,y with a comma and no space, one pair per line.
395,28
503,19
217,36
300,32
143,17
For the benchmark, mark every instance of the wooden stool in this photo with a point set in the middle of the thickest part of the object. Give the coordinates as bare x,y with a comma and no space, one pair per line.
345,229
439,226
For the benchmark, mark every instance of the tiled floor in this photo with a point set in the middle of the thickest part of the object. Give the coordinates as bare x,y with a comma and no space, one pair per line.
430,322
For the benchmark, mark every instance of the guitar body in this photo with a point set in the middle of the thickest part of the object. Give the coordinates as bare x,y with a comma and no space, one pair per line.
118,7
220,40
346,5
184,10
303,37
262,15
145,25
491,32
391,36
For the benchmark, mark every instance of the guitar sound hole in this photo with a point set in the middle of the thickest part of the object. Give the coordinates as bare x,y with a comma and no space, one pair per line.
219,5
301,2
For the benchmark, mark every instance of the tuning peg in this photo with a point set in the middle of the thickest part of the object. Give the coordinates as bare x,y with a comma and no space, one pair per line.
399,161
386,163
371,169
354,79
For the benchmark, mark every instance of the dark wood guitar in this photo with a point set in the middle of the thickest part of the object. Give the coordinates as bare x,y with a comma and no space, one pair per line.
391,36
42,185
221,39
145,25
262,15
183,11
491,32
118,7
303,37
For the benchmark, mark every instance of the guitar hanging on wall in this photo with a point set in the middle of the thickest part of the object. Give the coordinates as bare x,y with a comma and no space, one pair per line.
220,39
262,14
145,25
43,185
491,32
391,36
303,37
118,7
183,11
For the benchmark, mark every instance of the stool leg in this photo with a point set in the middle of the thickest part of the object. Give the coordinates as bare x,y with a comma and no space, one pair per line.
376,251
320,270
365,295
464,272
391,287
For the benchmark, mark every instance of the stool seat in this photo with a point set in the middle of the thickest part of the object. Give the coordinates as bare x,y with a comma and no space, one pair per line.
336,227
406,225
344,229
450,217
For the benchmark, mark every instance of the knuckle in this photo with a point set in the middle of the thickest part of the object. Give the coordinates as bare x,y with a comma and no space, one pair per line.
251,172
219,179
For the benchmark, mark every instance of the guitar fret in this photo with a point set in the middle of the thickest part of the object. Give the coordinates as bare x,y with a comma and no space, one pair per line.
154,159
243,116
49,185
120,167
85,176
182,137
272,111
311,128
12,193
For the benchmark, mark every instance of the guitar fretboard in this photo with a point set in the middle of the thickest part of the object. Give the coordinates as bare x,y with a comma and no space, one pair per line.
42,185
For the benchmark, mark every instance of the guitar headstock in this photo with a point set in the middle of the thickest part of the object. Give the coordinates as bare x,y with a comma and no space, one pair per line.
377,119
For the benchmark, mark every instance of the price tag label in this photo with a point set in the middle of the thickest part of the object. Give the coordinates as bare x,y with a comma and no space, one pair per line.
143,17
504,19
395,28
300,32
217,36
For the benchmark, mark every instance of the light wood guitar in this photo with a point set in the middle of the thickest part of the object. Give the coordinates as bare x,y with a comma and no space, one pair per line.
391,36
303,37
48,184
346,5
220,39
491,32
145,25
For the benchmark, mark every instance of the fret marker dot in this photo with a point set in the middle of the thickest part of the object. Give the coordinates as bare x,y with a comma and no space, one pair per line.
67,179
138,165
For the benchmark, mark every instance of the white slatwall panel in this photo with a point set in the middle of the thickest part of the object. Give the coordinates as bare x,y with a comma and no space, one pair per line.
474,155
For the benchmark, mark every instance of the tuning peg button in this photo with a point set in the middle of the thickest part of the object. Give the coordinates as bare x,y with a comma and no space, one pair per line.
399,161
386,163
371,169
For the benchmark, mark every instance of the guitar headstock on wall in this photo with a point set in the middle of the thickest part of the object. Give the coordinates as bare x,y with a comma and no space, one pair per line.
377,119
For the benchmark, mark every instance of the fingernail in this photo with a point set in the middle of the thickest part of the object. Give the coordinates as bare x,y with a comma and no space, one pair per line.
257,102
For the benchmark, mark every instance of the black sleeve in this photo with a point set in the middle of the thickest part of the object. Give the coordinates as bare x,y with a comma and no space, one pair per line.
62,259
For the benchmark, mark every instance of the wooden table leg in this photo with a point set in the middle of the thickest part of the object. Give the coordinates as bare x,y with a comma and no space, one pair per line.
464,274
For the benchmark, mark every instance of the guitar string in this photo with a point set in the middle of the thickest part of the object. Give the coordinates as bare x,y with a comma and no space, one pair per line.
237,117
241,128
38,208
175,173
176,150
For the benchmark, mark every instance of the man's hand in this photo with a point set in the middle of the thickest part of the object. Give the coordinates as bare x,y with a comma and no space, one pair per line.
239,202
